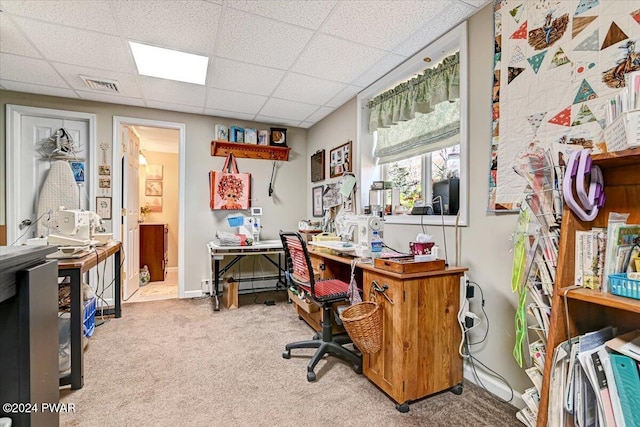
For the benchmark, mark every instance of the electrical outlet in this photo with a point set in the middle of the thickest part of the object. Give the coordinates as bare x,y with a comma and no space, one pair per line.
206,286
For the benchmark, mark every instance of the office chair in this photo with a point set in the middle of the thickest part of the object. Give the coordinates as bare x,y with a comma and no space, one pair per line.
325,293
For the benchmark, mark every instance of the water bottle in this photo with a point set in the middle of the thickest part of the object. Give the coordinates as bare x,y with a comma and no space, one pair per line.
376,245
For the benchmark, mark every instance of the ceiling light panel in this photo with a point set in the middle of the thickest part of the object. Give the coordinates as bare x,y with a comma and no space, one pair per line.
261,41
169,64
188,26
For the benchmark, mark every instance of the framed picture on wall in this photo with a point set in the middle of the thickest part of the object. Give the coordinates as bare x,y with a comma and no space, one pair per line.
103,207
153,171
153,188
340,160
317,166
317,200
154,202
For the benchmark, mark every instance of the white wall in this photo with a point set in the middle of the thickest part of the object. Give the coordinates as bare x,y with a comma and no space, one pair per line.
485,244
281,211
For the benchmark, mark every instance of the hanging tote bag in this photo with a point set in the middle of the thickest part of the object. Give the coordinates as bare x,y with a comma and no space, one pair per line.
229,189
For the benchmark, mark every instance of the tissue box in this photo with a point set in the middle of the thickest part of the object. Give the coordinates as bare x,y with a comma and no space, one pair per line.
418,248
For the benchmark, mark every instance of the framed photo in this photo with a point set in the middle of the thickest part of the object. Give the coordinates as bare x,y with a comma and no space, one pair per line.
278,137
104,170
317,200
154,202
103,207
104,182
153,171
317,166
78,171
340,160
153,188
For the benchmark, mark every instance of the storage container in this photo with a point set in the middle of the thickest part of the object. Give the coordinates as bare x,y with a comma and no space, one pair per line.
624,132
620,284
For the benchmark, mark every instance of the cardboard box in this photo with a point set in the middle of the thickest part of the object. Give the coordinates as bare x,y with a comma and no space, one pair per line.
230,294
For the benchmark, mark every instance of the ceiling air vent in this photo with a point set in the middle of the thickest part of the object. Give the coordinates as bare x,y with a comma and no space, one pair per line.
101,84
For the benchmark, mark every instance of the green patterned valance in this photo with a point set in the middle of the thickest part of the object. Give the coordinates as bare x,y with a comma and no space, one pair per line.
423,99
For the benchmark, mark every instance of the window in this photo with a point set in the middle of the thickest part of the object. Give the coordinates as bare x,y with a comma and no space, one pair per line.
426,164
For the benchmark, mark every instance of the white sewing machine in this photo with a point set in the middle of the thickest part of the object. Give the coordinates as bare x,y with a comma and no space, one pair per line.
359,230
77,233
251,225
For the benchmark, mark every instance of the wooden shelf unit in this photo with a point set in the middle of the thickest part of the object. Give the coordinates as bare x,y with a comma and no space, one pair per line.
588,309
249,151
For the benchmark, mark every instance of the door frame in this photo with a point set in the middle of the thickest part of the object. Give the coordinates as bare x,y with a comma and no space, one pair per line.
116,179
12,152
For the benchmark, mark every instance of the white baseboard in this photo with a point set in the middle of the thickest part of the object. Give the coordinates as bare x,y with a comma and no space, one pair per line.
193,294
171,269
493,385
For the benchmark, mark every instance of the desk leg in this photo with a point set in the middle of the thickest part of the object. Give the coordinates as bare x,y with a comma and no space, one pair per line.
77,365
216,283
118,279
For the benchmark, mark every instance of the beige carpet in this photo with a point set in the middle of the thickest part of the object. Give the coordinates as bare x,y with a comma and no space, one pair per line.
179,363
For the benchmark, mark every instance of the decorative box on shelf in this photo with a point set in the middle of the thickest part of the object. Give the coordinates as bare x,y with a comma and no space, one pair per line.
623,132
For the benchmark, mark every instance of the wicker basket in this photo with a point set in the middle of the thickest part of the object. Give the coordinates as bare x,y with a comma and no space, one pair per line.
363,323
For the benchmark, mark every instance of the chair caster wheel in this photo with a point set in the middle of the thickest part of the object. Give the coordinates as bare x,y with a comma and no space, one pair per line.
457,389
311,376
403,408
286,354
357,369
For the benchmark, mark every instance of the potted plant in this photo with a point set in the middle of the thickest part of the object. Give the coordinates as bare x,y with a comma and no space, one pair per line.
144,210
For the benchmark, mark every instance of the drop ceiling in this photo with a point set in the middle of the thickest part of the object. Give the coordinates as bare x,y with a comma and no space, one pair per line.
283,62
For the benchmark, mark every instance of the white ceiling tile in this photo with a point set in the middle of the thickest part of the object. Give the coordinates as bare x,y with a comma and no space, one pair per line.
29,70
439,25
335,59
175,107
261,41
476,3
287,109
12,40
379,69
320,114
344,96
384,24
311,90
309,14
38,89
88,15
79,47
173,92
127,83
228,114
243,77
234,101
112,99
277,121
189,26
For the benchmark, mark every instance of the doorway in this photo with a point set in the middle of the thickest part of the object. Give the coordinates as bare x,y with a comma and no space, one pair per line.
149,156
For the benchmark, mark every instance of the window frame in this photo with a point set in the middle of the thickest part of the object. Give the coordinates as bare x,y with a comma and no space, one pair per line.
369,171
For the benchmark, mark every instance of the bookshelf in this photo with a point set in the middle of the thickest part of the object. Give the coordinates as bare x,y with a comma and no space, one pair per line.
588,309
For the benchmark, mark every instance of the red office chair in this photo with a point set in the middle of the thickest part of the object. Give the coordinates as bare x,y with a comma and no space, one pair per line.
324,293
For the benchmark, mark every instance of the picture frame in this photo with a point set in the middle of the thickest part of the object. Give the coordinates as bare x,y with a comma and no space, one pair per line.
278,137
104,182
154,202
317,193
317,166
340,160
263,137
104,170
153,188
153,172
103,207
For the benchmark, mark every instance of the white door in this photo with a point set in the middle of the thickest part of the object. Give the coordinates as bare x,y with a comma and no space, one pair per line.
131,204
33,168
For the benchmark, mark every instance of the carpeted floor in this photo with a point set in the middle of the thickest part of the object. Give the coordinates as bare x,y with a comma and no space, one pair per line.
179,363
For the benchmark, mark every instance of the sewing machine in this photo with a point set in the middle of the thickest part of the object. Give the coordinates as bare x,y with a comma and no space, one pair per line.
77,231
251,225
359,230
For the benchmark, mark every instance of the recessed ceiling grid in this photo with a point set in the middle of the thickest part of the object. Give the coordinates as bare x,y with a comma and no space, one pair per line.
285,62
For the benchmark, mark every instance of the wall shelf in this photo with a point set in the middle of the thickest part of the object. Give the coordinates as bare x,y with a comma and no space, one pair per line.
249,151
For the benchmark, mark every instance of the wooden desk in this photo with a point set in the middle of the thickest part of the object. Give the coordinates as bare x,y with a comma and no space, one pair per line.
421,334
74,269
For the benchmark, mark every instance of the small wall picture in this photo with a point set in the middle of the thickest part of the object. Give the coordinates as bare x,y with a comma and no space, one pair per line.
78,171
153,188
263,137
340,158
250,136
104,182
222,133
154,202
103,207
153,171
104,170
317,201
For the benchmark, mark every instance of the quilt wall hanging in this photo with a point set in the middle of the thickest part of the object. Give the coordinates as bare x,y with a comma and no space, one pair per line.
556,64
